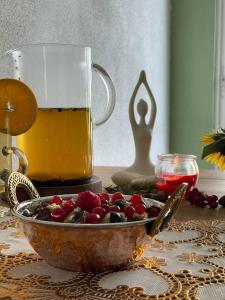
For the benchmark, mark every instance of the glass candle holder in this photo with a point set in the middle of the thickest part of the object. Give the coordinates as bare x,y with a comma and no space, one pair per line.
173,169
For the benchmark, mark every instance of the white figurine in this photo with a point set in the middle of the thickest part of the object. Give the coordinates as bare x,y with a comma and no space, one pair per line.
142,133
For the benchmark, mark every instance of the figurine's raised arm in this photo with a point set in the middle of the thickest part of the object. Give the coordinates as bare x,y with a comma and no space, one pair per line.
152,98
131,105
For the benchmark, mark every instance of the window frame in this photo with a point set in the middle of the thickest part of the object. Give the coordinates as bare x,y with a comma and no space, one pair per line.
219,62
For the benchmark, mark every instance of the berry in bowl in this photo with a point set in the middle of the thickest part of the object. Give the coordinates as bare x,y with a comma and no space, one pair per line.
89,232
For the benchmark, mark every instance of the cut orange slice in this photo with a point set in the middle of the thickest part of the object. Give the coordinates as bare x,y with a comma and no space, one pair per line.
18,107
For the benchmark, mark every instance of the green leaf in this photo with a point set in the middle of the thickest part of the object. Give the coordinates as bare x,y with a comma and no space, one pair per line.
218,146
223,130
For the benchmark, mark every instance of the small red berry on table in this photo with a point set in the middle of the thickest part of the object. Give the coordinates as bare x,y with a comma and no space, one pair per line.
213,204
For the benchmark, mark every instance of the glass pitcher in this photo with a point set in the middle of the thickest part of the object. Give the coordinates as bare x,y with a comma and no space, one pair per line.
59,144
5,159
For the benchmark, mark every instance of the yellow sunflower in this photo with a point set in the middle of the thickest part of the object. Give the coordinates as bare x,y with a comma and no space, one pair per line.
207,139
214,149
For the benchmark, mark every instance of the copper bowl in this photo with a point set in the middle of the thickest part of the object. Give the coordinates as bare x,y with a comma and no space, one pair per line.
91,247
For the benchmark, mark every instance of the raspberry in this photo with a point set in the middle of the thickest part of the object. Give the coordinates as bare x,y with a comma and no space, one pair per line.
129,211
137,217
140,209
92,218
56,200
99,211
115,208
58,214
104,196
135,199
68,206
117,196
104,201
88,201
106,207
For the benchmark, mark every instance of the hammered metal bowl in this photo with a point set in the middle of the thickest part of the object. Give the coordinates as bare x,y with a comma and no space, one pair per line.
89,247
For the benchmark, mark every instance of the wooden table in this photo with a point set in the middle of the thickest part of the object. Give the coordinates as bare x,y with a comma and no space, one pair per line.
210,181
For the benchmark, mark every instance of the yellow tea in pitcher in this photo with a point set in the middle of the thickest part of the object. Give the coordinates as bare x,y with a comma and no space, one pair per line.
59,145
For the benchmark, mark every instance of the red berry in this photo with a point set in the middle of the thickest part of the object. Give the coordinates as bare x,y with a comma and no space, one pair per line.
195,199
117,196
213,204
104,196
129,211
140,209
200,203
92,218
153,212
56,200
195,191
188,198
88,201
136,199
58,214
68,206
104,201
99,211
115,208
106,207
212,199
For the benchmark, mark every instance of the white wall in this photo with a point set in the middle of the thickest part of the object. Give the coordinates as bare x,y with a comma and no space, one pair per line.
126,36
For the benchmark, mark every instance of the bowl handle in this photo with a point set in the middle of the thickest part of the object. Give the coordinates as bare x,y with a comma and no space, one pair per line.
168,210
14,180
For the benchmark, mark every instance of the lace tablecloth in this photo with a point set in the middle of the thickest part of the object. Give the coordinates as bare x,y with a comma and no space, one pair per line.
185,262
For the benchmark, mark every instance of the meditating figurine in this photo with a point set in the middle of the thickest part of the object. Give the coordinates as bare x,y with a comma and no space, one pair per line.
142,133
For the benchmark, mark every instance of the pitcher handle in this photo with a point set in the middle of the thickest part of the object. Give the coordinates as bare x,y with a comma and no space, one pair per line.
21,156
168,210
111,93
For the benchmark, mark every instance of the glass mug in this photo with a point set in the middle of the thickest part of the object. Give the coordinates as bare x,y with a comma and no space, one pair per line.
59,144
